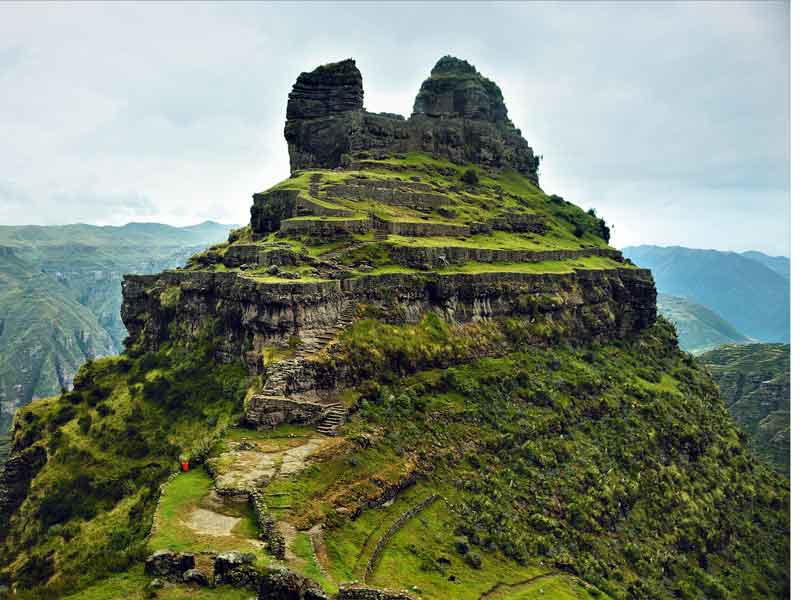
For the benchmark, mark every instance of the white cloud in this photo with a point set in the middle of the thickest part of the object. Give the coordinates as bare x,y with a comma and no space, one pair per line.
648,111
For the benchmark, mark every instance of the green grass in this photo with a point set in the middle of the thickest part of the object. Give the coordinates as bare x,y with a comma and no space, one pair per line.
132,584
304,550
186,493
422,555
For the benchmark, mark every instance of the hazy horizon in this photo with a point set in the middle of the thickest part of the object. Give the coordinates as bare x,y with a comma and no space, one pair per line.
670,119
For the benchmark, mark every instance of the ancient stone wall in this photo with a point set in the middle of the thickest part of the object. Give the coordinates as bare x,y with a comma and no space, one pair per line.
423,229
271,410
394,528
429,257
326,229
418,196
357,592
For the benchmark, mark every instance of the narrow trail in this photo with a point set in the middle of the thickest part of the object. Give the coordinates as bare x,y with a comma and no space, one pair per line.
501,588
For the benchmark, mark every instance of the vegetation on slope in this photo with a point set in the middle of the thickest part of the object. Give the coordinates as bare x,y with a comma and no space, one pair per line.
755,383
45,335
605,469
110,442
615,462
699,328
60,297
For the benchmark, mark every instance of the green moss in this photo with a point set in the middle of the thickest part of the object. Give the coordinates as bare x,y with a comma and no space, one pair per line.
170,296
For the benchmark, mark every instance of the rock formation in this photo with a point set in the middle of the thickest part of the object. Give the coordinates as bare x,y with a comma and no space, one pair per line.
458,115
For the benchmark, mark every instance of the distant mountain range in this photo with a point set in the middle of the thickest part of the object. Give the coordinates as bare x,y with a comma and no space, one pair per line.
754,380
750,291
699,328
60,296
779,264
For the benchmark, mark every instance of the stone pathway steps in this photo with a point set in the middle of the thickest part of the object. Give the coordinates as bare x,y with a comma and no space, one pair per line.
334,417
279,374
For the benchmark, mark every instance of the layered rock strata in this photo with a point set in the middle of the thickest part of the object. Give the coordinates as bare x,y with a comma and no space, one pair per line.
252,315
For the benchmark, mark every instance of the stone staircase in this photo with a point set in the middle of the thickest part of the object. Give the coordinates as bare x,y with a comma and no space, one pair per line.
279,375
334,417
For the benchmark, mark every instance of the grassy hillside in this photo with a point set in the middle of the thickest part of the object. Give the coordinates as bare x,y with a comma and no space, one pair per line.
90,260
591,471
60,296
755,384
45,335
479,458
699,328
744,292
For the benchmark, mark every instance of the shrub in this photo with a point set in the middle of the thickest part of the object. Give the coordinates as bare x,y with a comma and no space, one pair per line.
470,177
473,559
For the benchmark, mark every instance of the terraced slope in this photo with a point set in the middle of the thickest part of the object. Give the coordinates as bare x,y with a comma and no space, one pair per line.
755,383
45,335
699,328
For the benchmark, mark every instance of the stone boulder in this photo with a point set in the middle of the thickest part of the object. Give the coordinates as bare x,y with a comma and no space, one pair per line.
195,576
168,564
288,585
236,569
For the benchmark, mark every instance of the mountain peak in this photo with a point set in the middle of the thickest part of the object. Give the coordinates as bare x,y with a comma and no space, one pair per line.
456,89
459,115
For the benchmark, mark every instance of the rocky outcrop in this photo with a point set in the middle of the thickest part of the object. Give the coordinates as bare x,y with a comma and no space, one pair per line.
169,565
288,585
458,115
358,592
251,315
327,90
15,480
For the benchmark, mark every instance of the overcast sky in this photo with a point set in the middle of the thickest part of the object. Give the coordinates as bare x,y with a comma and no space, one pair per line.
672,119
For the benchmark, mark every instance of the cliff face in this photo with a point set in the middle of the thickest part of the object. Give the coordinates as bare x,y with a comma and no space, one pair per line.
458,115
601,305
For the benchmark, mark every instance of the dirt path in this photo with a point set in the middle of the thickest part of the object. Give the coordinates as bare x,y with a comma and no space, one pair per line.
501,589
249,465
207,522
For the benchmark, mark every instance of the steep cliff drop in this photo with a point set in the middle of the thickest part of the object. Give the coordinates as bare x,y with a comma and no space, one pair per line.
414,374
